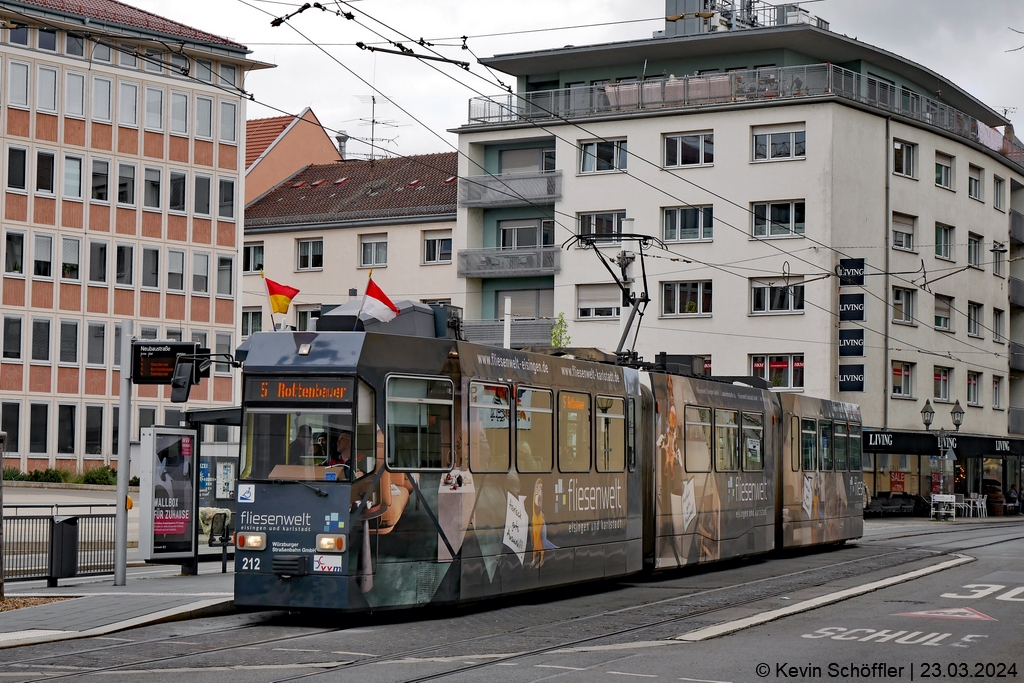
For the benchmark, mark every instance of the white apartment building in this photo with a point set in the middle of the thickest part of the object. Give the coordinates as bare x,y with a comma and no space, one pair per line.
769,161
121,201
325,228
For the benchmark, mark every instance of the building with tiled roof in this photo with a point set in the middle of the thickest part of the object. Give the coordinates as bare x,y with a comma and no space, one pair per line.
124,139
325,227
278,146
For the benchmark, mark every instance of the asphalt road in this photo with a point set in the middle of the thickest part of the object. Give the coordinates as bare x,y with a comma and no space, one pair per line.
970,629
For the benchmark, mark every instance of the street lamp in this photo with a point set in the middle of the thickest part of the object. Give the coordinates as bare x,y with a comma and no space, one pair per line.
958,415
927,415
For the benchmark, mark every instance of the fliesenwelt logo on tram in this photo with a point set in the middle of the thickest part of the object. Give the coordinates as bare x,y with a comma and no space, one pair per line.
250,521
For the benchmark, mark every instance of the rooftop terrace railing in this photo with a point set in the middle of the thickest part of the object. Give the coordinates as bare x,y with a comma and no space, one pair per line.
736,87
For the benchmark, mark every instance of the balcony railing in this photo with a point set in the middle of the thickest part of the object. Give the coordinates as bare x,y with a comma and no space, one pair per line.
767,84
1016,416
525,332
1016,226
1017,356
1016,291
523,262
510,189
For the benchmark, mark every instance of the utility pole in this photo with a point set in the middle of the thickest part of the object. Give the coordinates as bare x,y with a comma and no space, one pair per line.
124,456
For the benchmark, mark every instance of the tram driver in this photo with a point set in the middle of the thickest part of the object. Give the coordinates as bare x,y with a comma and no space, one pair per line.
342,456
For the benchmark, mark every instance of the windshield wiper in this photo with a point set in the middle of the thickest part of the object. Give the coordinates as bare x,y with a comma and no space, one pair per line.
318,491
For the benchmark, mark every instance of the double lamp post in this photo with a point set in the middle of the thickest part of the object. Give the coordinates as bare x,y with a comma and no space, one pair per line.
927,415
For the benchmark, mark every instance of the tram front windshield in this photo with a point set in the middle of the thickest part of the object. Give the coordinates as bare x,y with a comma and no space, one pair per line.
304,445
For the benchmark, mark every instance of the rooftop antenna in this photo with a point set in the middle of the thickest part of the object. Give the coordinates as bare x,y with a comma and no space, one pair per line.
373,122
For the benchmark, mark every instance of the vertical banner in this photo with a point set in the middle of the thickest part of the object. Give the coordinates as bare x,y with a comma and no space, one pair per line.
851,307
851,378
851,272
851,342
167,488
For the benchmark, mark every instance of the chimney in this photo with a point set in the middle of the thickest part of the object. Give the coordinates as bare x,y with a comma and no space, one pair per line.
342,139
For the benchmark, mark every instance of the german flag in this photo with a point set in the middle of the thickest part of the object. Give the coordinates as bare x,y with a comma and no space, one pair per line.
280,296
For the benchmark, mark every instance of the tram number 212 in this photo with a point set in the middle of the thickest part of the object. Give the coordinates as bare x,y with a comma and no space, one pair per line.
250,564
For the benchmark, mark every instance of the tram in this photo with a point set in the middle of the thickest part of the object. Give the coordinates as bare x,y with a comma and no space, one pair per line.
383,471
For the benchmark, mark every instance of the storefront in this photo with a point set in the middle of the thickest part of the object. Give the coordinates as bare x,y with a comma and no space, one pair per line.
918,463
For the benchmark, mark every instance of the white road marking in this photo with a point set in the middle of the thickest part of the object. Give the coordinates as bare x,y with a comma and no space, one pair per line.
237,667
507,664
617,646
806,605
292,649
555,666
353,654
625,673
123,640
702,680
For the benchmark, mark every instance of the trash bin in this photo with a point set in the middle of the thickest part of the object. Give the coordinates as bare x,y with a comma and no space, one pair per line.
63,549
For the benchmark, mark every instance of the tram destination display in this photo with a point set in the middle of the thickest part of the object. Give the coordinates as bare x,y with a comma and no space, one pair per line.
153,361
291,390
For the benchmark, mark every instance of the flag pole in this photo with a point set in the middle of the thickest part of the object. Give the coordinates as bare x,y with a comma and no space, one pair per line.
267,288
355,325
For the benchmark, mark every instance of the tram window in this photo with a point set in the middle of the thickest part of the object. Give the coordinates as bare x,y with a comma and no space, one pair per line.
631,434
855,448
727,457
573,431
753,442
366,430
698,439
809,445
825,439
490,430
611,434
294,445
794,442
841,446
534,430
419,423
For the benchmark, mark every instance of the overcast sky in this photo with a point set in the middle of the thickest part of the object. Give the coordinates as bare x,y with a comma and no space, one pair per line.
965,41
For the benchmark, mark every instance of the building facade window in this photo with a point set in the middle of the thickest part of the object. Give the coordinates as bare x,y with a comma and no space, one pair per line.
902,379
17,90
605,225
41,340
226,199
686,298
252,321
46,163
202,198
126,184
151,188
688,224
598,301
204,118
124,265
526,233
46,89
997,258
47,39
942,377
998,191
154,109
974,182
42,256
974,388
776,297
12,337
974,322
305,318
902,305
151,267
997,393
98,263
18,35
17,168
252,258
200,273
373,250
10,422
175,270
944,170
70,250
903,231
689,149
778,219
225,275
974,243
128,105
776,146
179,182
14,253
179,113
781,371
74,94
310,254
945,239
96,344
228,122
596,157
68,342
100,180
101,96
943,312
73,177
997,325
94,430
904,156
38,428
437,247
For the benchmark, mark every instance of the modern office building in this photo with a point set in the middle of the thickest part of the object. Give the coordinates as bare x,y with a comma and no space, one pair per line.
325,228
122,141
834,218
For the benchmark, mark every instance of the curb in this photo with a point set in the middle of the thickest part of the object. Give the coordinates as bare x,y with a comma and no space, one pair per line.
193,610
73,487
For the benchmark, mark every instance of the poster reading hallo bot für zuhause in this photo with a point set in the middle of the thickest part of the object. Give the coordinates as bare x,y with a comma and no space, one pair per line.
167,493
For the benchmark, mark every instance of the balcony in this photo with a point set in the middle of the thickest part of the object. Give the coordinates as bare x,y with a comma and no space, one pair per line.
812,81
1017,227
525,332
1016,291
1016,416
522,262
1017,356
510,189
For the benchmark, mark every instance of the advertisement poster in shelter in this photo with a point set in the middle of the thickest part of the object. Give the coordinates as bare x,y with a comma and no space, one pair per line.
173,481
897,482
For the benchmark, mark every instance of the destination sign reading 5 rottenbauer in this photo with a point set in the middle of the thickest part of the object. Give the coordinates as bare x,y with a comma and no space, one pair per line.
283,389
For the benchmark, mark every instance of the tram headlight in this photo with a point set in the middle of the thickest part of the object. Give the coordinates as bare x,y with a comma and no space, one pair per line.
330,543
251,541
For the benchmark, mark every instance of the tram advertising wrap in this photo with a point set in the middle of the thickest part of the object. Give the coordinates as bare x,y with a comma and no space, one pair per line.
382,471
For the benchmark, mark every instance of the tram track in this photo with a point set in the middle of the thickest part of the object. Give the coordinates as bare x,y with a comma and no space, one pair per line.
922,553
932,532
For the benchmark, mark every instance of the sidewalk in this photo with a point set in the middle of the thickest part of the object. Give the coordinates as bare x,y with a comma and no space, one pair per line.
95,607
